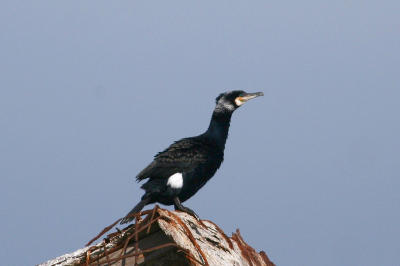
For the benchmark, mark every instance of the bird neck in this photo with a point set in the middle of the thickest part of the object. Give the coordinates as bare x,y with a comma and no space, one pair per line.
219,127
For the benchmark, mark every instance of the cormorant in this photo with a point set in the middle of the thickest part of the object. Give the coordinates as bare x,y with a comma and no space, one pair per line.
178,172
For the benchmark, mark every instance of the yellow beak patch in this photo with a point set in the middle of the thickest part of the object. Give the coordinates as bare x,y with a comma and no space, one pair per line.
240,100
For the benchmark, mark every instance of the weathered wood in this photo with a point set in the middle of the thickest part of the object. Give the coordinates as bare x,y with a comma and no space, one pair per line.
167,238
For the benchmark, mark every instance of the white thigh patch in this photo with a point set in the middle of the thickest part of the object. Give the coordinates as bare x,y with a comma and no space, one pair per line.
175,181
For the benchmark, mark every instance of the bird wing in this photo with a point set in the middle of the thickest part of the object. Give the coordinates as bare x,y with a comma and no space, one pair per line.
182,156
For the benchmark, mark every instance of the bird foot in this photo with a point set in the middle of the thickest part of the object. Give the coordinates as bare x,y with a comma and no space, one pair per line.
189,211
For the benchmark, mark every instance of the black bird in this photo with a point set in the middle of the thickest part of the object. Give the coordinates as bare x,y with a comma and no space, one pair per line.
178,172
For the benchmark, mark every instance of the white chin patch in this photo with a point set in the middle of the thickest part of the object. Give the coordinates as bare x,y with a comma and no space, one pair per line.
238,101
227,105
175,181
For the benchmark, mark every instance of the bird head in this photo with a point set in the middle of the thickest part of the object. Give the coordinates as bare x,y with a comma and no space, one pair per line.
231,100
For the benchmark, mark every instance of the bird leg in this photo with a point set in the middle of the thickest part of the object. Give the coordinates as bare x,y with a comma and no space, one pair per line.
178,206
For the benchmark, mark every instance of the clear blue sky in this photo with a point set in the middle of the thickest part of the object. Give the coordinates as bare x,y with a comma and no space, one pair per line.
91,90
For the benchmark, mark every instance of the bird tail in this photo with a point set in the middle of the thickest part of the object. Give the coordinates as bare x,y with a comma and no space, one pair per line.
129,217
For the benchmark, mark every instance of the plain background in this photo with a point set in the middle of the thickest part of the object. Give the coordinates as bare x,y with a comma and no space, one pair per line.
91,90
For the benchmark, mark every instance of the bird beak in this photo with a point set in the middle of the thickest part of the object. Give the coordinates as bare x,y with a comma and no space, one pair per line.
247,96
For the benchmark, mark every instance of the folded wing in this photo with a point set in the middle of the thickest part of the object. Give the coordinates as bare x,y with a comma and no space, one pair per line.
182,156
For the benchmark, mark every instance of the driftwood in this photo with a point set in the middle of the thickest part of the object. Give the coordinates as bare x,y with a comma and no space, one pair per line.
162,237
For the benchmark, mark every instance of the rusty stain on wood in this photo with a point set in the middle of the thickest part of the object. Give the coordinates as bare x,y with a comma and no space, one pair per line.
180,235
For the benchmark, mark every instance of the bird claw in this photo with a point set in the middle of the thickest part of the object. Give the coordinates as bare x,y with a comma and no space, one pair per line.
192,213
179,207
189,211
195,216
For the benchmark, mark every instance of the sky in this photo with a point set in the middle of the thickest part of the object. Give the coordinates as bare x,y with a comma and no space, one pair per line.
91,90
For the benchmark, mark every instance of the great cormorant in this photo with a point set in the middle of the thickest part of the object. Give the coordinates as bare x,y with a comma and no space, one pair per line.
178,172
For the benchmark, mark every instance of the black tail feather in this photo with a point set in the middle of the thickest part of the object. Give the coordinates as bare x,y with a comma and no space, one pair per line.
129,217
